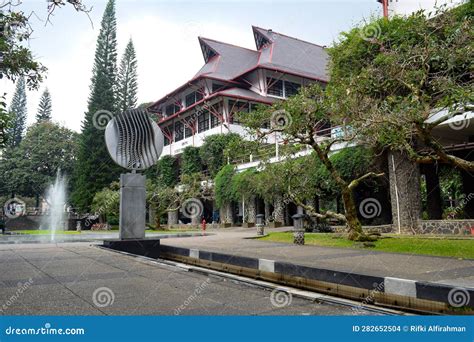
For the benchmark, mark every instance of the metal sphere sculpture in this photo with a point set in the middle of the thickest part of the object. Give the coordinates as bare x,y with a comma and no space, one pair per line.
133,140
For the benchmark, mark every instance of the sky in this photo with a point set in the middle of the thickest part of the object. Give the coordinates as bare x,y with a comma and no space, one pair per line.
165,38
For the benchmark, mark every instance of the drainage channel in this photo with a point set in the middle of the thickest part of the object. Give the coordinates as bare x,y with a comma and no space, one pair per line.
266,285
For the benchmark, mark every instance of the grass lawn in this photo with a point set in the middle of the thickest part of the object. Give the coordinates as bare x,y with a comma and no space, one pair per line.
439,246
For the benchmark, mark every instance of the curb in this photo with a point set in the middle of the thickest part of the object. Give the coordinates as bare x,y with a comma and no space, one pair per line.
395,292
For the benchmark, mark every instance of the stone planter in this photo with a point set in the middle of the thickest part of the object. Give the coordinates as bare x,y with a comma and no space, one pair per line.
248,225
225,225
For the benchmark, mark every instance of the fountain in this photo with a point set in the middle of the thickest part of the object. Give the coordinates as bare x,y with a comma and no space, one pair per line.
56,199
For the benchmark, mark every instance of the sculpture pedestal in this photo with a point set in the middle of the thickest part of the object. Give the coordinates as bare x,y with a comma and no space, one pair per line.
132,206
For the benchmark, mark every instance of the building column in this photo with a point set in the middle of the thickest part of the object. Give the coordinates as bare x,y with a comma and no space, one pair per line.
226,214
172,218
468,189
404,192
434,205
267,212
279,210
251,209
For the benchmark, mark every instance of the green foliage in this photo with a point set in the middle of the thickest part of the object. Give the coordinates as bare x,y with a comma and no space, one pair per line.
5,121
391,84
28,169
44,107
212,151
95,169
164,173
18,112
222,185
127,79
106,202
243,184
18,60
191,161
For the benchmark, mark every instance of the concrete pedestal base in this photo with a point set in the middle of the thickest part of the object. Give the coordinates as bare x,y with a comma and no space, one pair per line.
147,247
260,230
132,206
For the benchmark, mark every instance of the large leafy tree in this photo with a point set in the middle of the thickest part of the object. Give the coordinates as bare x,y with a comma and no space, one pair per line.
44,107
29,168
212,151
400,85
127,79
18,112
190,160
95,169
301,120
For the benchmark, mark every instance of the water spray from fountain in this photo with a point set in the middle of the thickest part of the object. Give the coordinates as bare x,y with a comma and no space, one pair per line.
56,200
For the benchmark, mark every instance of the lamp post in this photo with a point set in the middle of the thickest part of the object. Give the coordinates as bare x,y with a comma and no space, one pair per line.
298,229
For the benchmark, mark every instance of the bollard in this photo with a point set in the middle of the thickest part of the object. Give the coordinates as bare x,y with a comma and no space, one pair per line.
260,225
298,229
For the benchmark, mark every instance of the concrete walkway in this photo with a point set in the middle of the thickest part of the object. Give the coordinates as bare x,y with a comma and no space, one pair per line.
444,270
79,279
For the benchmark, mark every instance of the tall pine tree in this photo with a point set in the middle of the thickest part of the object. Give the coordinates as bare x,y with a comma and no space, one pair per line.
44,107
127,79
18,112
95,169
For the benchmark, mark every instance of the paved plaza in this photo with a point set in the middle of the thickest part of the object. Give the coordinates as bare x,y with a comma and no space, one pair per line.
82,279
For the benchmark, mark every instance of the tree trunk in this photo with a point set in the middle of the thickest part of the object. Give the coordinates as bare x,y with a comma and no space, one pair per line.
353,223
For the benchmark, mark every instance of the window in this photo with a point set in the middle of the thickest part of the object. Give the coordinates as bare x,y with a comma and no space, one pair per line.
236,107
178,131
188,132
193,97
172,108
217,87
275,87
291,88
203,121
214,121
282,88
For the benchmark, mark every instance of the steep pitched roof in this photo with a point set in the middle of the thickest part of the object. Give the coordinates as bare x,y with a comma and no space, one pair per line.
284,53
225,61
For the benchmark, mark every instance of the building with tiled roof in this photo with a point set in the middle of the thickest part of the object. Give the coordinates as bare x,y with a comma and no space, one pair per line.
236,79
